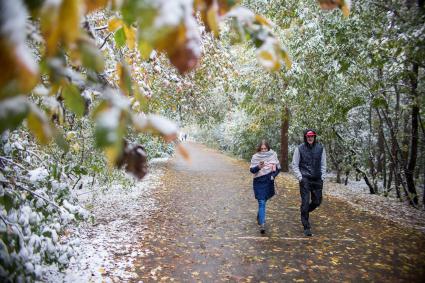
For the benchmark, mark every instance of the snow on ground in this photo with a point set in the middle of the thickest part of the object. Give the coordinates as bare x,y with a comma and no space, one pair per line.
356,193
106,249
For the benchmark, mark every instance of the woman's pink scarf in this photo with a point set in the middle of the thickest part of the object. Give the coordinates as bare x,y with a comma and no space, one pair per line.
271,163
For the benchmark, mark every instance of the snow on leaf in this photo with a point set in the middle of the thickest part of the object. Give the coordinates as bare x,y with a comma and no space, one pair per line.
12,112
156,124
38,174
242,14
21,74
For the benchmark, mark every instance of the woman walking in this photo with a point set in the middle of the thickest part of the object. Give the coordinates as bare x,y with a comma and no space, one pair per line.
265,166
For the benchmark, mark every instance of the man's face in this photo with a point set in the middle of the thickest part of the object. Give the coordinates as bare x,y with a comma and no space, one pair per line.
310,139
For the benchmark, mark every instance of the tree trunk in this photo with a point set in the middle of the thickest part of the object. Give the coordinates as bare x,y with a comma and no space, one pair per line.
347,173
380,166
413,147
372,169
284,140
423,158
366,179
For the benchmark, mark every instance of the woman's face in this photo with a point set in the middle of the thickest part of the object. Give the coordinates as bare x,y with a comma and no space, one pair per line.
263,148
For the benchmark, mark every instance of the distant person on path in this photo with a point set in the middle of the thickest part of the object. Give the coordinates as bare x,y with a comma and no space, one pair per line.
265,166
309,165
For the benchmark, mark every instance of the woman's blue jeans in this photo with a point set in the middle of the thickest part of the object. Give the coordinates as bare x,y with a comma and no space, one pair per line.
261,211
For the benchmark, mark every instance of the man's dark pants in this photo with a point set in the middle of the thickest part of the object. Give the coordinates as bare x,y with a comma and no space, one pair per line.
307,187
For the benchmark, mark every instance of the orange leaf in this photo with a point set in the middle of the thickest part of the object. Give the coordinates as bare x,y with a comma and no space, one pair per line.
92,5
183,151
19,70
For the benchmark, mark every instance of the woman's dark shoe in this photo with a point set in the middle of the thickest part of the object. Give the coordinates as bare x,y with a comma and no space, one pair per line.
263,228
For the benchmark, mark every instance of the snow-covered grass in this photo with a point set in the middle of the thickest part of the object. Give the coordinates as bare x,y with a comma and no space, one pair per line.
356,193
106,248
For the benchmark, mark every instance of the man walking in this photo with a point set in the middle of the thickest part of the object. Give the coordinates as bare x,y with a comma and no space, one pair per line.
309,165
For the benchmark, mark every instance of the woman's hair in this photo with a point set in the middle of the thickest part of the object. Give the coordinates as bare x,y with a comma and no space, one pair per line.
263,142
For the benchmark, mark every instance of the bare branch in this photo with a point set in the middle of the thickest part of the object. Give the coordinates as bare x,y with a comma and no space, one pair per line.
33,193
105,40
101,27
12,162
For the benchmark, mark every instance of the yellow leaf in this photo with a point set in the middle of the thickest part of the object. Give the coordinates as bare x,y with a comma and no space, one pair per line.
60,23
212,19
145,49
124,75
114,24
172,40
286,59
50,29
268,60
266,55
130,34
262,20
113,153
70,20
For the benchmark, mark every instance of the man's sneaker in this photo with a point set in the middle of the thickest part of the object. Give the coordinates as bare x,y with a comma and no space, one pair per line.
263,228
307,232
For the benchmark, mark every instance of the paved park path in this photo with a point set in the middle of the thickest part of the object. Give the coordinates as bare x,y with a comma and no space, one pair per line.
205,231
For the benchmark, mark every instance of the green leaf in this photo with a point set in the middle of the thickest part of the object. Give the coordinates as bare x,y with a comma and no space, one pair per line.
39,125
125,78
91,57
120,38
141,10
73,100
80,170
12,112
110,127
379,102
4,255
6,201
60,140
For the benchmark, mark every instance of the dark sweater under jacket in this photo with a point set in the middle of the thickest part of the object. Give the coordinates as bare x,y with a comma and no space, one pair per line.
264,185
